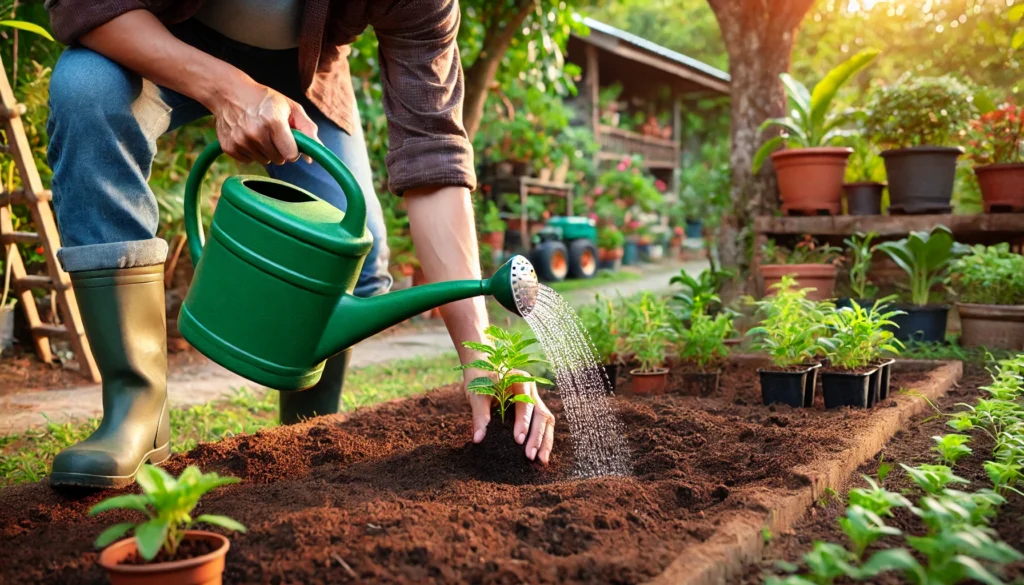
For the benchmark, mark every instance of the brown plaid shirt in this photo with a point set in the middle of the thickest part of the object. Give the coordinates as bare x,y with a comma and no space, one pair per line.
419,69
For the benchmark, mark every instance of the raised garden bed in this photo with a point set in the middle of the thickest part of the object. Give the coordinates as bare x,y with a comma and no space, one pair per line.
395,494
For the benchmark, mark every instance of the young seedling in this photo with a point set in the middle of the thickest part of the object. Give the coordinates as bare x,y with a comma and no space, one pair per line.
864,527
648,333
932,478
877,499
952,447
167,503
861,252
702,340
858,336
504,356
1004,476
791,325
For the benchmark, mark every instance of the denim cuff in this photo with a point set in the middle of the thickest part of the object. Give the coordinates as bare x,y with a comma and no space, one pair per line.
113,255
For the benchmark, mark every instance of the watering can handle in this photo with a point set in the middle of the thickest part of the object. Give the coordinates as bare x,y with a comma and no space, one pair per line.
354,221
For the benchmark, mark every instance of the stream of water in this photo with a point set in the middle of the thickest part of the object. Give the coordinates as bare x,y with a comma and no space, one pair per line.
598,437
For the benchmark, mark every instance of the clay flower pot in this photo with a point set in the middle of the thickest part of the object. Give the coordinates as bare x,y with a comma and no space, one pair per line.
820,277
1002,186
991,326
864,198
202,570
921,178
609,259
811,179
649,383
496,240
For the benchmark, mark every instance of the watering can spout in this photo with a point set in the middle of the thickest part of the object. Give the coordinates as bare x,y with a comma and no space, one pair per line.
354,319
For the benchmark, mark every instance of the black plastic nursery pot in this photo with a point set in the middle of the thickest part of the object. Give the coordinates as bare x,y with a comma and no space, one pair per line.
923,324
921,178
864,198
696,383
611,371
847,388
884,377
782,387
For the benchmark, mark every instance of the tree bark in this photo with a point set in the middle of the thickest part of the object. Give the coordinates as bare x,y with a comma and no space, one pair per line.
480,75
759,36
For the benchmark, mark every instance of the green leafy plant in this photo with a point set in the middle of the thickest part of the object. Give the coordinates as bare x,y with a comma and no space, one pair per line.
997,136
877,499
167,503
648,333
702,289
988,275
1003,475
864,527
627,184
933,479
918,111
858,337
952,447
610,237
864,165
701,341
807,251
812,121
602,321
925,257
504,356
791,325
860,253
491,221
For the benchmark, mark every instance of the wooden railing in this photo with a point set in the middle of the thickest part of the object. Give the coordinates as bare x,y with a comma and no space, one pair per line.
657,152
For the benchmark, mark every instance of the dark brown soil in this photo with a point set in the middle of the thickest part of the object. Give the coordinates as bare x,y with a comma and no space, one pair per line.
911,446
188,549
397,494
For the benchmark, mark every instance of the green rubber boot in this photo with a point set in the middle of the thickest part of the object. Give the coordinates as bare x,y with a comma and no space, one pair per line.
125,320
322,398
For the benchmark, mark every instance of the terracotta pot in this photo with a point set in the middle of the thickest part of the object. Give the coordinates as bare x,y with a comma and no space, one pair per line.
921,178
610,254
203,570
864,198
811,179
1002,186
496,240
991,326
820,277
649,383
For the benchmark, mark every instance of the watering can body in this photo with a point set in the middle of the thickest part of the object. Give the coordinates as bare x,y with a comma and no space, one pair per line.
271,297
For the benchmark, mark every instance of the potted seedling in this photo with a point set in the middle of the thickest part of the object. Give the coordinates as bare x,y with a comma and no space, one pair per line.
989,285
700,347
810,170
921,121
504,357
853,346
884,344
791,324
859,252
610,242
492,228
165,549
925,257
996,146
602,322
702,289
810,263
865,180
648,336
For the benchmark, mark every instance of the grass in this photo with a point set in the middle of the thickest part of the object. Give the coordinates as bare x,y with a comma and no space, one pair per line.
952,350
602,278
26,457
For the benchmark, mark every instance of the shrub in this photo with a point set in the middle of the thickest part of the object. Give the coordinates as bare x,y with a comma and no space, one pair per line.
989,275
790,325
504,356
648,334
610,238
168,503
918,111
997,136
627,183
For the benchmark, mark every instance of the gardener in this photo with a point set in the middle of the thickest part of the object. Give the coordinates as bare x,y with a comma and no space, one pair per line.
137,69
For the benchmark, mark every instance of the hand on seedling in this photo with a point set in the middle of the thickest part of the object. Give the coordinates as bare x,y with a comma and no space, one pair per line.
496,379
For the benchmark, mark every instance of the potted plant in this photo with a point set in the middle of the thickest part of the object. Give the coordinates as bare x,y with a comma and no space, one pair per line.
602,322
996,146
921,121
989,284
700,346
884,344
865,180
492,228
851,378
648,337
610,242
925,257
790,326
860,252
811,264
809,169
165,549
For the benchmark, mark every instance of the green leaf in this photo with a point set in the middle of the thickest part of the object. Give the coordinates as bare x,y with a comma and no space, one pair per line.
1016,13
827,88
523,398
479,383
766,149
27,26
222,521
124,502
798,95
897,559
478,365
489,350
112,534
155,480
1018,39
149,537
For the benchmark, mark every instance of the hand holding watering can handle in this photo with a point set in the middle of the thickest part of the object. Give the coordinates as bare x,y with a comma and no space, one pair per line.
354,221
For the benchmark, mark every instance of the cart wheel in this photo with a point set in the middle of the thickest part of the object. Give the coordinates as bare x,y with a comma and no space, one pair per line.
582,259
551,260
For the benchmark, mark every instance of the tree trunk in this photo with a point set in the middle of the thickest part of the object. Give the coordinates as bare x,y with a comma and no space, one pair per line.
482,72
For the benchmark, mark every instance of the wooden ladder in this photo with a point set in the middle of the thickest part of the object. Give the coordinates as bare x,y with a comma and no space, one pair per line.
37,200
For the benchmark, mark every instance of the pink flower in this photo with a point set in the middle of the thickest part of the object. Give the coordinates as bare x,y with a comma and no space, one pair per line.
593,216
660,185
622,166
598,190
678,231
626,160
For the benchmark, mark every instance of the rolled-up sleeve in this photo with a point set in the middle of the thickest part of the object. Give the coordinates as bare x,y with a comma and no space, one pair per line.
423,91
71,19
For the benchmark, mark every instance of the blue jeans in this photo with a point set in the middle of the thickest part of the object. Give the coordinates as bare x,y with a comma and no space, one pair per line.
103,126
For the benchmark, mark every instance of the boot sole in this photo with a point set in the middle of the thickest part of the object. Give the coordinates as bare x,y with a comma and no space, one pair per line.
85,480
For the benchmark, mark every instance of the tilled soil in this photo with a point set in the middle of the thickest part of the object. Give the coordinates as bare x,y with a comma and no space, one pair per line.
911,446
397,494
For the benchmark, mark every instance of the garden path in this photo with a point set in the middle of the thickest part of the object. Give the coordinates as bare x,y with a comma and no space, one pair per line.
203,381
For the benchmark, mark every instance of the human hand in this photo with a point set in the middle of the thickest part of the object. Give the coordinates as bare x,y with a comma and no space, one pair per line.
254,123
538,439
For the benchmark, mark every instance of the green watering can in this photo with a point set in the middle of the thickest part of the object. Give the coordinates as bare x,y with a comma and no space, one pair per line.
271,297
